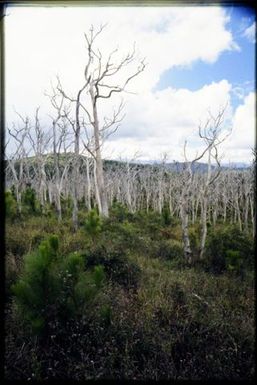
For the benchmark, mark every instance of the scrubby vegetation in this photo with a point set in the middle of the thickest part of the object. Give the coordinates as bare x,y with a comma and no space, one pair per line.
116,299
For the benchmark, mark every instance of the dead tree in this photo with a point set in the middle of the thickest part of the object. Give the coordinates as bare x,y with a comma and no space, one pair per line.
59,134
97,76
212,135
39,141
17,160
187,179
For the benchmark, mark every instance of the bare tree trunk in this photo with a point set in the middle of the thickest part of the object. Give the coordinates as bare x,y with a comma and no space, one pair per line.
88,186
58,205
252,217
203,224
99,204
224,210
238,213
128,192
75,172
184,213
57,176
246,213
18,197
75,191
103,208
184,209
214,215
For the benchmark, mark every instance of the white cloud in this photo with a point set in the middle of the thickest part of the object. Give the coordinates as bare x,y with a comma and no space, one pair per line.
43,42
239,145
161,121
250,32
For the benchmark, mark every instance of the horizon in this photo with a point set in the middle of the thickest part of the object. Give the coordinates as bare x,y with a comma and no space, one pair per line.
151,161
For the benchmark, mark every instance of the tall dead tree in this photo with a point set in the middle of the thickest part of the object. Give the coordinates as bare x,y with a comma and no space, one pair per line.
212,135
98,74
187,180
39,140
16,161
59,134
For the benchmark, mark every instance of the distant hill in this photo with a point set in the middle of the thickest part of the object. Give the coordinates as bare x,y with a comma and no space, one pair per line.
110,163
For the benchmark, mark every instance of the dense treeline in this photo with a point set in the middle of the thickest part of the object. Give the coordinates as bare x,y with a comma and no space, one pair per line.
142,187
138,187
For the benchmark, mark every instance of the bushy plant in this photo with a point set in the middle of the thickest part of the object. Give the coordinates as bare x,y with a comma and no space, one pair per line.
166,217
73,241
93,223
169,249
17,239
55,288
125,234
129,233
233,260
194,236
29,200
227,245
10,205
79,287
37,289
119,212
152,223
118,267
66,204
48,210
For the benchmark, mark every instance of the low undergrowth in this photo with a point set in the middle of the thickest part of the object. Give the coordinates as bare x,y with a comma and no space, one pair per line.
116,300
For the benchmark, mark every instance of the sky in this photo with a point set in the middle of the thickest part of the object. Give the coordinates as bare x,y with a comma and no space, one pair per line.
199,59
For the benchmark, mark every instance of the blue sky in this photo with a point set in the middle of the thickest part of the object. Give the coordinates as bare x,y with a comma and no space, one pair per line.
236,66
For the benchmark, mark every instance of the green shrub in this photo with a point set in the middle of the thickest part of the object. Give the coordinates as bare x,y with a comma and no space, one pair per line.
93,223
80,288
118,267
48,210
129,233
10,205
87,286
153,224
29,200
119,212
71,241
54,243
98,275
67,205
169,249
55,288
166,217
228,246
37,289
36,237
233,260
194,236
106,313
17,239
125,234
